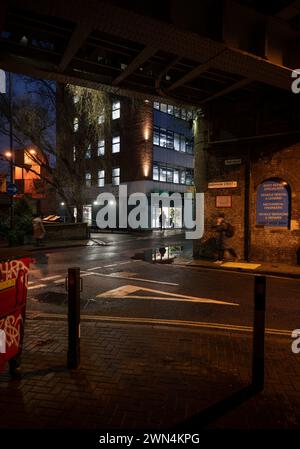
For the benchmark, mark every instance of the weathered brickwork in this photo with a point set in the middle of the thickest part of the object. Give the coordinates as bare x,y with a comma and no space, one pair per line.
272,150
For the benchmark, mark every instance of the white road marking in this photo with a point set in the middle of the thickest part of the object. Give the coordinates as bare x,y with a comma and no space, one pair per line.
36,286
50,278
124,291
59,281
111,265
114,276
86,274
120,291
31,282
94,268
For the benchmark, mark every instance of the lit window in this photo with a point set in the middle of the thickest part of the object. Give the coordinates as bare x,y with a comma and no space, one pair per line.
170,109
170,139
182,177
101,147
163,137
101,119
182,143
176,142
75,124
155,135
116,144
155,173
169,175
177,112
101,178
189,114
189,146
163,107
156,105
162,174
88,152
88,179
189,178
176,177
116,106
74,154
116,176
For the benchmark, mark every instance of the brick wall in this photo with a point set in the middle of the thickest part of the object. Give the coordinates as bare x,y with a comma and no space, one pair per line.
274,155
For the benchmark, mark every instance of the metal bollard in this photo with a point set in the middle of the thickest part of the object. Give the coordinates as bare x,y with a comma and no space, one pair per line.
73,286
258,363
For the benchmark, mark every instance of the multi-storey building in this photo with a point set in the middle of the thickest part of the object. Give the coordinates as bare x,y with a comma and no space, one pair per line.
147,146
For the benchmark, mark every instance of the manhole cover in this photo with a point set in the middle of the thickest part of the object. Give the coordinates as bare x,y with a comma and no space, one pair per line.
52,297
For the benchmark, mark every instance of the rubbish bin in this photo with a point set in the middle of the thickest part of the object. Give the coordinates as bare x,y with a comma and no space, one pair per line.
14,273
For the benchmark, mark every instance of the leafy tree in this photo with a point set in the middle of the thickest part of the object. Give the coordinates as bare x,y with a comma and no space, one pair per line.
43,118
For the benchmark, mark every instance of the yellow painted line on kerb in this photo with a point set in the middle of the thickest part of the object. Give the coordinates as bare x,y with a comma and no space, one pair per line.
164,322
4,285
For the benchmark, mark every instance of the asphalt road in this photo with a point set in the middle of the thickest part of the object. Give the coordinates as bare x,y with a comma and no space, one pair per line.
117,285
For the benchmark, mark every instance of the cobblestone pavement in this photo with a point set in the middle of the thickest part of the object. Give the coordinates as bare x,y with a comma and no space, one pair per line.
135,376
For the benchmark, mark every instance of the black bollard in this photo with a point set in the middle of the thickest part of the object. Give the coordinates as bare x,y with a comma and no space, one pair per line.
73,288
258,363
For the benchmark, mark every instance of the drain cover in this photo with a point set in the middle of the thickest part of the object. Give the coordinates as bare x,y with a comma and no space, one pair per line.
52,297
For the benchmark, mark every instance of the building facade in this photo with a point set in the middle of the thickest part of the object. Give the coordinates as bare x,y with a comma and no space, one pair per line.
146,146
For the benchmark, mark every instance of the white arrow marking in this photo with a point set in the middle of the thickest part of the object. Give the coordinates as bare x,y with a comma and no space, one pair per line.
126,290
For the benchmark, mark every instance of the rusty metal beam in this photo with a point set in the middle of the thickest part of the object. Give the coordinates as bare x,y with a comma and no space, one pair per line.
190,76
142,57
80,34
242,83
127,25
289,11
3,12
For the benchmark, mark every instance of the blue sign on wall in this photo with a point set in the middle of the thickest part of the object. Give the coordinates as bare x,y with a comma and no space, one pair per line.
272,204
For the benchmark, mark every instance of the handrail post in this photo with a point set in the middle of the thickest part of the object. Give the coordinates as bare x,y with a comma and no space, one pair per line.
73,288
258,363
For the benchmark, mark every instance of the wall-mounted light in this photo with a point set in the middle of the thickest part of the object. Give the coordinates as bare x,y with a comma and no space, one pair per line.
62,203
146,133
146,170
95,203
8,154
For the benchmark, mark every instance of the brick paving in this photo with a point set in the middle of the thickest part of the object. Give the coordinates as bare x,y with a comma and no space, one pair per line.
135,376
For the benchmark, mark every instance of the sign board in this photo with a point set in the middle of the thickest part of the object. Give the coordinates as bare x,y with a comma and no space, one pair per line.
233,161
222,185
223,201
11,188
272,204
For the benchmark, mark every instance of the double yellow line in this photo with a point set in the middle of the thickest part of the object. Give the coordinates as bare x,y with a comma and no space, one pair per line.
164,322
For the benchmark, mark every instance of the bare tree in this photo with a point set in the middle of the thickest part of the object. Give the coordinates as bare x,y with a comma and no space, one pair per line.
43,117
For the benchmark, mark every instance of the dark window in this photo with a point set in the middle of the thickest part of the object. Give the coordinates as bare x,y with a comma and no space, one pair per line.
163,137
